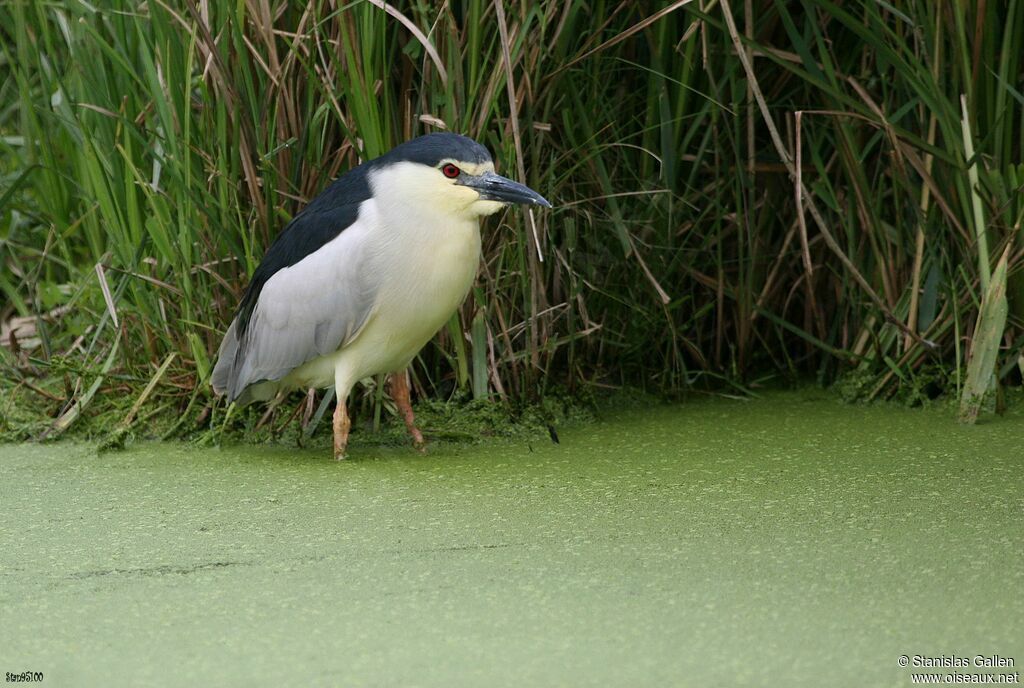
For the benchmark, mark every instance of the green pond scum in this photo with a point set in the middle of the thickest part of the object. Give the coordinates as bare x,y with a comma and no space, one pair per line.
790,540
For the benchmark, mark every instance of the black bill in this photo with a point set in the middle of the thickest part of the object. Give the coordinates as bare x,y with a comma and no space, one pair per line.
494,187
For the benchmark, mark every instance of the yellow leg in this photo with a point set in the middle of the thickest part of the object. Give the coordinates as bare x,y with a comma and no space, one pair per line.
400,393
342,425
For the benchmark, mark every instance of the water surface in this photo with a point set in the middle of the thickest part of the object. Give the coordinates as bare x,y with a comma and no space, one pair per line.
787,541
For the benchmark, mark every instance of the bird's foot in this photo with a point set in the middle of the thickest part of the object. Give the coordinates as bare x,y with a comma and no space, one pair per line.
341,447
418,443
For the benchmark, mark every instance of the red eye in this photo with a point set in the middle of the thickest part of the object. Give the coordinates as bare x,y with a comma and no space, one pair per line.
450,171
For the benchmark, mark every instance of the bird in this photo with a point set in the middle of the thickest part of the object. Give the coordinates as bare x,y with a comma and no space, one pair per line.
365,275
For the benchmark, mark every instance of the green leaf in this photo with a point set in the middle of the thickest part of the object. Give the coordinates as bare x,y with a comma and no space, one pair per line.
988,333
479,334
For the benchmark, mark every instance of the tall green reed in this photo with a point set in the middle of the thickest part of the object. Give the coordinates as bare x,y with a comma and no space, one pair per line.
169,141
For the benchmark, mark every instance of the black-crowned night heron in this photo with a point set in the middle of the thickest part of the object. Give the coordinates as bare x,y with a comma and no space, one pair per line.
365,275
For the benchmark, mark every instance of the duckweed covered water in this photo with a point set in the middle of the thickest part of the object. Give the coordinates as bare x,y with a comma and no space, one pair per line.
789,541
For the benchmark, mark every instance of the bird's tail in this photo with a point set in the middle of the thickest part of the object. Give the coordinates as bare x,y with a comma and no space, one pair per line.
221,378
225,381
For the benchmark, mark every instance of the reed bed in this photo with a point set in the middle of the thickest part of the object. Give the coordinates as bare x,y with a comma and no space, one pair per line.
744,191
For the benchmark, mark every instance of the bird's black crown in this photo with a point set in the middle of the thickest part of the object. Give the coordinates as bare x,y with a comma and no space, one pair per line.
431,149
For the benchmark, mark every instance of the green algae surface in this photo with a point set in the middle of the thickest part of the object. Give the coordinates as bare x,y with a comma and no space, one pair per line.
786,541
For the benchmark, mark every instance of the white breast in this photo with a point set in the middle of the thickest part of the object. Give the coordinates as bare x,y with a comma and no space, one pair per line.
426,271
423,264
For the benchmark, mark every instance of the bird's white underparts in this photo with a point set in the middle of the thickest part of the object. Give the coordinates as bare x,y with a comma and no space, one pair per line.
365,275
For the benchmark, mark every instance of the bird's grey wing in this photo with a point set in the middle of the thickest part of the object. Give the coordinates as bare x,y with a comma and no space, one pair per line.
303,311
